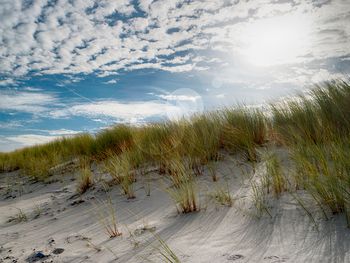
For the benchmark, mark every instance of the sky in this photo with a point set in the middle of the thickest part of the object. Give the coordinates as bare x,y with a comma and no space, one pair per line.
69,66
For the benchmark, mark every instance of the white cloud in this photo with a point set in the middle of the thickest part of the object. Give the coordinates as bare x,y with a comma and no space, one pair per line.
10,143
10,124
61,132
103,74
129,112
175,97
26,101
30,139
32,89
112,81
7,82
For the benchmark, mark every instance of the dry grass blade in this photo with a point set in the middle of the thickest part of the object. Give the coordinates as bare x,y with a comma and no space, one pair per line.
167,254
106,214
259,197
184,190
85,180
275,175
223,196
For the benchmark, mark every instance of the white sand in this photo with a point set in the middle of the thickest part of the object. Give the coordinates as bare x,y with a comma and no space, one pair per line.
215,234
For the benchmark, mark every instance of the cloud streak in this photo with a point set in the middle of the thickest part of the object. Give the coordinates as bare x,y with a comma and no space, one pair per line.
118,111
22,101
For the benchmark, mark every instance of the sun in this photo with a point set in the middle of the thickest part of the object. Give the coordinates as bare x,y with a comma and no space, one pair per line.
275,41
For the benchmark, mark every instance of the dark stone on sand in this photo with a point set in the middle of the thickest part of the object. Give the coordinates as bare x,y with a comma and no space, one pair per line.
36,256
77,202
57,251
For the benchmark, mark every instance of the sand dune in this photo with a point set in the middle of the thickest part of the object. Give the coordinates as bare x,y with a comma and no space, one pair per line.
64,225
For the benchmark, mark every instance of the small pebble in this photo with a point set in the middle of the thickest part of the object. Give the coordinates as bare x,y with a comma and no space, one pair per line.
57,251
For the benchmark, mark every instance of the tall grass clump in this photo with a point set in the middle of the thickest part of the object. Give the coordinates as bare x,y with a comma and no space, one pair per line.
316,129
155,142
274,176
332,99
318,117
177,170
114,166
7,162
201,139
76,146
112,140
85,179
37,160
212,169
260,198
245,130
184,190
324,171
297,122
121,169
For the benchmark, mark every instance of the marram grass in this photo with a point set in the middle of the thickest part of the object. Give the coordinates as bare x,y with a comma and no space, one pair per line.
313,127
199,139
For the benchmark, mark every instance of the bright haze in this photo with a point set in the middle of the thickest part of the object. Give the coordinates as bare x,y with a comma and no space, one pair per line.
77,66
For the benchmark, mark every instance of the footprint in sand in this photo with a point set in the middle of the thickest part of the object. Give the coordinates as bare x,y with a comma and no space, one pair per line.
234,257
76,237
275,259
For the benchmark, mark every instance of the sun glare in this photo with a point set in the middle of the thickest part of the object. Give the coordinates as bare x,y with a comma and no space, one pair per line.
276,41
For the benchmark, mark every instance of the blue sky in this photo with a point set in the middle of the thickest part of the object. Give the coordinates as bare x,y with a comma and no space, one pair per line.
70,66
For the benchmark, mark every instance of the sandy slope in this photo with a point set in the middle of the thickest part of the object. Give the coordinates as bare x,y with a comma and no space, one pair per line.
215,234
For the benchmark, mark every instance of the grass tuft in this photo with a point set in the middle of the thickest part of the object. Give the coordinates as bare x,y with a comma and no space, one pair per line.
223,196
19,217
184,190
106,214
85,180
275,176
